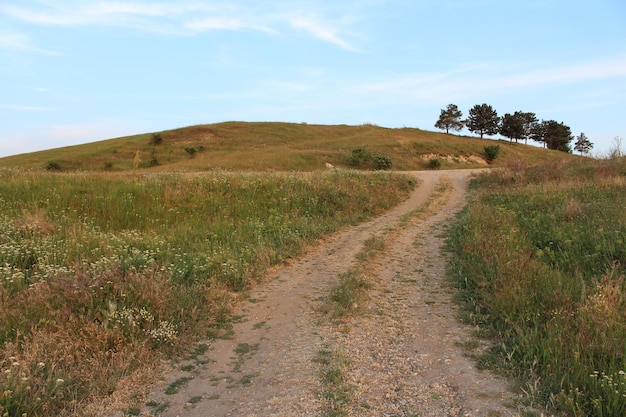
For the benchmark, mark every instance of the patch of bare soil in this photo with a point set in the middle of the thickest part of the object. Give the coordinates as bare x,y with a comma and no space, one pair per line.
404,352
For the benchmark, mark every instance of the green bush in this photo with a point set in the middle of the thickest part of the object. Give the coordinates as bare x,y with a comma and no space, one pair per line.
434,163
191,151
491,152
382,162
359,157
53,166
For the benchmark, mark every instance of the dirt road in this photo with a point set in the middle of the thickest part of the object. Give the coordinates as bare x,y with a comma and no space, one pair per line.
404,354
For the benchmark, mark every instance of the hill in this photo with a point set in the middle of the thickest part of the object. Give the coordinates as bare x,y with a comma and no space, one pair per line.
267,146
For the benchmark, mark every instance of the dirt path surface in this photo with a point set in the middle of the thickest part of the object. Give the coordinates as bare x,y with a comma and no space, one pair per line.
402,354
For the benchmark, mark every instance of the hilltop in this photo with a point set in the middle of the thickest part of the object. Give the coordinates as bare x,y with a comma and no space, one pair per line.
265,146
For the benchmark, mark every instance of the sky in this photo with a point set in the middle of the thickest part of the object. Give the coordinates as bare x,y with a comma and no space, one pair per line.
78,71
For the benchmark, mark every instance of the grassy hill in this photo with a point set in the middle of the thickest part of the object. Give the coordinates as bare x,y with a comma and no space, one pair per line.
275,146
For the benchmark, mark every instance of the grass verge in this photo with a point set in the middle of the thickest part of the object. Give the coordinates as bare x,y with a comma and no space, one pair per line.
540,264
102,274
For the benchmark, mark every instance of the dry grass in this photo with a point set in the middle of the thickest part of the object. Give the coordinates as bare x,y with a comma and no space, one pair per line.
277,147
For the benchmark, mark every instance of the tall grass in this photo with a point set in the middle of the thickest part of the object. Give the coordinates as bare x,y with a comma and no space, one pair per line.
100,273
540,261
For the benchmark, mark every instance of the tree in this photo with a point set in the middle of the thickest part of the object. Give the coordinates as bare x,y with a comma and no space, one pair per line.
512,126
530,123
554,135
450,118
583,144
483,119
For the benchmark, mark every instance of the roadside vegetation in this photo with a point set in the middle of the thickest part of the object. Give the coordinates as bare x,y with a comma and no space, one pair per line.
540,260
102,274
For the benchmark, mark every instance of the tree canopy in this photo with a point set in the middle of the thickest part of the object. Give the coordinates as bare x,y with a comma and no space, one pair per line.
513,126
483,119
450,118
553,135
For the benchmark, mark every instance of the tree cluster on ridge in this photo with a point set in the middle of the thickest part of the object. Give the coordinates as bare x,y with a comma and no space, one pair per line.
484,120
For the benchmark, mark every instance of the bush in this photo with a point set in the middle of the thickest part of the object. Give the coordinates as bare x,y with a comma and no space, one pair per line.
53,166
382,162
156,139
191,151
359,157
491,152
434,163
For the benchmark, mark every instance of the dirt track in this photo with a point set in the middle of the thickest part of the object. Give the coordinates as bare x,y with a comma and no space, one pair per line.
403,350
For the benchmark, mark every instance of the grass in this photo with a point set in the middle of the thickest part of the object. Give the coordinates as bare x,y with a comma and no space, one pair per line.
352,290
541,264
101,273
275,146
336,392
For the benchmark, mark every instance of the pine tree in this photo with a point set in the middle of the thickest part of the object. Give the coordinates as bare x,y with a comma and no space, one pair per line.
583,144
483,119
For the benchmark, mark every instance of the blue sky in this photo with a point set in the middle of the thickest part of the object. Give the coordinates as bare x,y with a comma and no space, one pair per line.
75,71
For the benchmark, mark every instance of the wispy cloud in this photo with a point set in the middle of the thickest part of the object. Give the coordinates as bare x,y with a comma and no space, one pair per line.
320,30
20,42
478,80
17,107
185,18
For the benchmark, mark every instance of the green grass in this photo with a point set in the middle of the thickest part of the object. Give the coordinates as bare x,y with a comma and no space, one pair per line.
276,146
336,392
541,264
100,273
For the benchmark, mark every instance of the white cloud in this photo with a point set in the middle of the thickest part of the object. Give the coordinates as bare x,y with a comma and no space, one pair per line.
185,18
25,108
479,80
224,23
321,30
20,42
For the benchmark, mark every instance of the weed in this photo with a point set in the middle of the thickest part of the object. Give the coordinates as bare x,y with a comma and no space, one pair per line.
176,385
194,400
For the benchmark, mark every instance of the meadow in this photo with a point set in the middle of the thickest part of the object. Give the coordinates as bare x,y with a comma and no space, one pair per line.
540,262
104,274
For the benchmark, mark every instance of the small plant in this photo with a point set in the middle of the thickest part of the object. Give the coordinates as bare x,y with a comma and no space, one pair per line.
108,165
191,151
53,166
434,163
491,152
153,161
176,385
156,139
382,162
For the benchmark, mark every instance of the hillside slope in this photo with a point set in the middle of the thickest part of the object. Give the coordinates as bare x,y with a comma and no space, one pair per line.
274,146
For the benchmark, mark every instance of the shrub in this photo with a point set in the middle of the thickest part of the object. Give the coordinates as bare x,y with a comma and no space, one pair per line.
359,157
53,166
382,162
434,163
156,139
491,152
191,151
108,165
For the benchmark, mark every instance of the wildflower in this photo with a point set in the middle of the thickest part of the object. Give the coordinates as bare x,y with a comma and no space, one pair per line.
59,381
41,365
